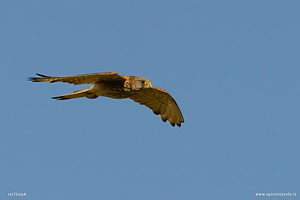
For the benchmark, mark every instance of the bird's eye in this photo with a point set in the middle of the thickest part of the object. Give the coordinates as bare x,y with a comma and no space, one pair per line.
142,81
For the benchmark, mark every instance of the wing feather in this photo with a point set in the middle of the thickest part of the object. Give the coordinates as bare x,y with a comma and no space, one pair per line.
160,102
79,79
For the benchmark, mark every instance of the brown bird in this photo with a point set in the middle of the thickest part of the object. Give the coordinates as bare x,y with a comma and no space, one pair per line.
113,85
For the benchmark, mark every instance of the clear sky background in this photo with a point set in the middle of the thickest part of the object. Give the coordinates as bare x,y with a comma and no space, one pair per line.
232,66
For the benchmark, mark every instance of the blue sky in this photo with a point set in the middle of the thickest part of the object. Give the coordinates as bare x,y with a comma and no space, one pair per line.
233,68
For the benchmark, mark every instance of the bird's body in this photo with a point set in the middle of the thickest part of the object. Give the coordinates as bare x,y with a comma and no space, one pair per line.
112,85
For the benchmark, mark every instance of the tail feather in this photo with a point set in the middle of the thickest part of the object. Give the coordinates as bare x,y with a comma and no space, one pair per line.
77,94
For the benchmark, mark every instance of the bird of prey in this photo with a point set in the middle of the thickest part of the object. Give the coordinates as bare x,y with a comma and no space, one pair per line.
113,85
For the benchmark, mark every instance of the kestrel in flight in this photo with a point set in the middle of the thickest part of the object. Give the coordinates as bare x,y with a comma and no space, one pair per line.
113,85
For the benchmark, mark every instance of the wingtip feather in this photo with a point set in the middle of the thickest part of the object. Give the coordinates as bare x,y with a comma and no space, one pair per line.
38,79
31,79
41,75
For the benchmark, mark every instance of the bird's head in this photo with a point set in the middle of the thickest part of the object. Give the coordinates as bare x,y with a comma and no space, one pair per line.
140,83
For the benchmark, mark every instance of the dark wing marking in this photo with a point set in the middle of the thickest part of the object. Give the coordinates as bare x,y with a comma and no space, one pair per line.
160,102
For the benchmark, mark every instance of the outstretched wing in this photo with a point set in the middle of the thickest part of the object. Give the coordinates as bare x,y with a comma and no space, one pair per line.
79,79
160,102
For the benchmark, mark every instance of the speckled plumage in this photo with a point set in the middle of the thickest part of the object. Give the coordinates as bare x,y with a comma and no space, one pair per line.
110,84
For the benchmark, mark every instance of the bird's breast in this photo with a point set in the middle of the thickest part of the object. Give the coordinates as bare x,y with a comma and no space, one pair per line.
105,90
